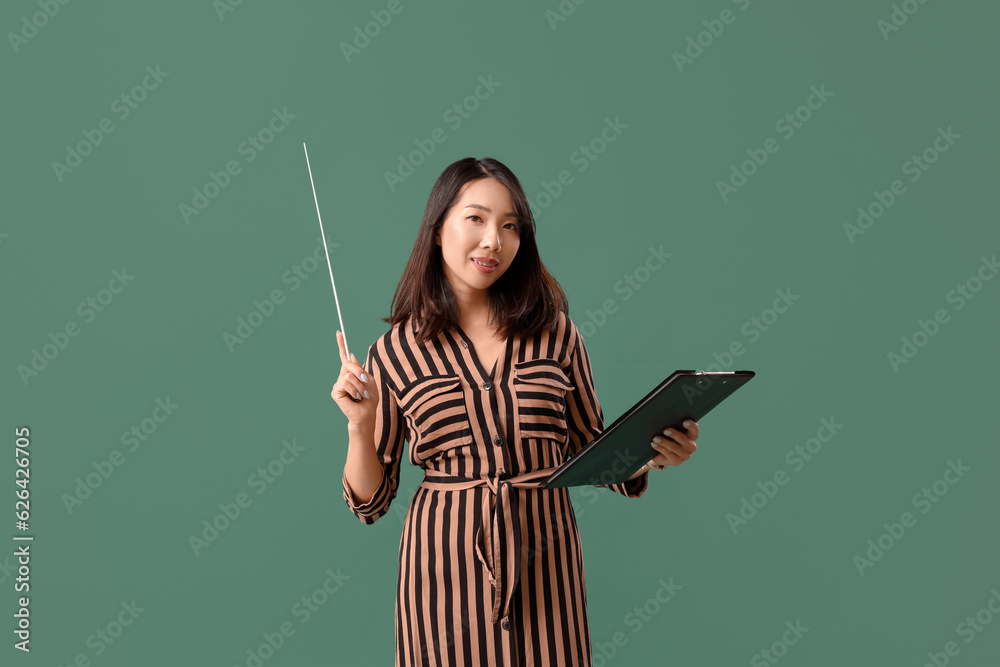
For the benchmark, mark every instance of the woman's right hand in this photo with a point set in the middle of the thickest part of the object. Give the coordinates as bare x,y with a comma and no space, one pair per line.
355,391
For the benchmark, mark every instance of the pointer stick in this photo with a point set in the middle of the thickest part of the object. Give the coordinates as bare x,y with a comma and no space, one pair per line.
328,264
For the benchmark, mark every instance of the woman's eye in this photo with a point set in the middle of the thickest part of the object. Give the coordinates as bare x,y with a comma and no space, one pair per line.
510,225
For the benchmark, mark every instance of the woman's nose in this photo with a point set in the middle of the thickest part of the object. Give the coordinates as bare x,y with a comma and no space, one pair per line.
492,240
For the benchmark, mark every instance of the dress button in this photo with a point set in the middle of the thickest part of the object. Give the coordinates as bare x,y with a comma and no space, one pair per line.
487,385
506,624
498,441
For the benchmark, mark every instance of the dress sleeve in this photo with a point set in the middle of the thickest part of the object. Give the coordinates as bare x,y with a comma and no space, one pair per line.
390,428
584,415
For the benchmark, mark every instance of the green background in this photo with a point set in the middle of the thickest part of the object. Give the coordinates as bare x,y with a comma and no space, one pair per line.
655,185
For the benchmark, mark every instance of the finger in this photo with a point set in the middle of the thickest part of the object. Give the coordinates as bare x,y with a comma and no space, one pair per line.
683,440
362,375
691,426
343,349
675,459
357,391
669,458
351,388
659,462
672,450
350,362
340,392
348,394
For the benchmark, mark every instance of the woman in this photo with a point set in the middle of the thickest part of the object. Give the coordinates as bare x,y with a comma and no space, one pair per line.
488,379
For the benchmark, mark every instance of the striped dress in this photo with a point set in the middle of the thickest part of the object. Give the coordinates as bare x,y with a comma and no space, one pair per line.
490,566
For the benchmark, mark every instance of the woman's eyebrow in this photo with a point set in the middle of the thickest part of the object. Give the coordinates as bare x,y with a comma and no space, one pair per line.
483,208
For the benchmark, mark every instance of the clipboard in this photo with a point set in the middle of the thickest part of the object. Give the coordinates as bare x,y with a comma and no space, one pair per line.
623,448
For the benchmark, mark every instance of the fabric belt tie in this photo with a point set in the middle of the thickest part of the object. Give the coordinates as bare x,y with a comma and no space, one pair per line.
503,541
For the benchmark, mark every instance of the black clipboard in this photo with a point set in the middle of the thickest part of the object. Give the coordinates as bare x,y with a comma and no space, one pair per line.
623,447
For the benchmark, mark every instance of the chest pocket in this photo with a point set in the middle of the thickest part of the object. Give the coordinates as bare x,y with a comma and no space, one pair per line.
541,386
435,407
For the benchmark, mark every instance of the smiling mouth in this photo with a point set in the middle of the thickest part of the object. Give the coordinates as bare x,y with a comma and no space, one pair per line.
489,266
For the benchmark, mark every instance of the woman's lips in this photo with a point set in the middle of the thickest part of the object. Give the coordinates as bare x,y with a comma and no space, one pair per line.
484,269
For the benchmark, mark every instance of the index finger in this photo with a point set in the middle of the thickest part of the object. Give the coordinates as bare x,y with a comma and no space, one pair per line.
340,344
692,429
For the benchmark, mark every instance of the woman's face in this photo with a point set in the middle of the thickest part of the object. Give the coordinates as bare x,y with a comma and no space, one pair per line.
483,226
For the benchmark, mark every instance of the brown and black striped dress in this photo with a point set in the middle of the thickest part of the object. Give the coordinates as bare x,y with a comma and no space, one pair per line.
490,566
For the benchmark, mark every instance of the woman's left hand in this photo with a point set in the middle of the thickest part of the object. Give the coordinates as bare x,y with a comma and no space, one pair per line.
674,446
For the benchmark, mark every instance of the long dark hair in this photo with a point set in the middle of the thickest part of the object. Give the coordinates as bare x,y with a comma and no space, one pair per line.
524,301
